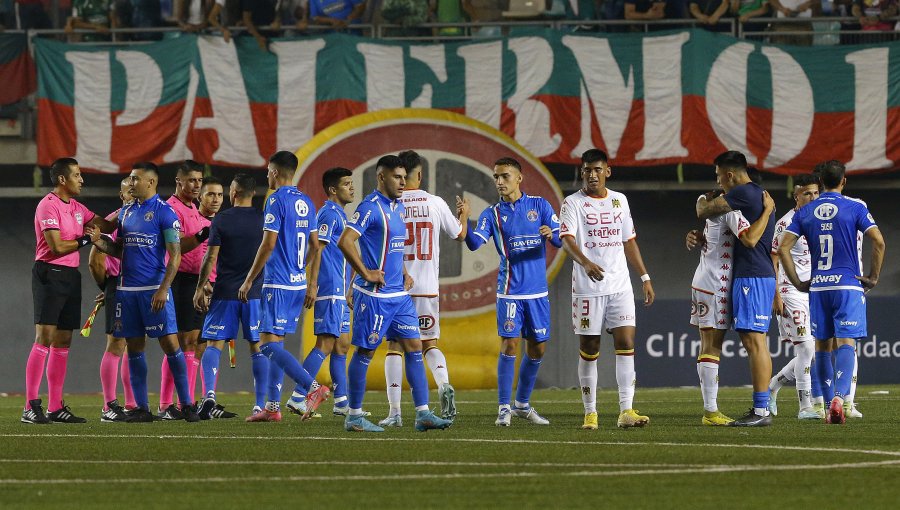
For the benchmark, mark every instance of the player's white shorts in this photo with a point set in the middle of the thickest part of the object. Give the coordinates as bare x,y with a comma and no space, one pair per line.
796,326
429,312
709,310
591,315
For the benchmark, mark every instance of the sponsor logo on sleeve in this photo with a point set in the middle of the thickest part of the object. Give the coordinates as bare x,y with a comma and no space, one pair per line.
270,218
323,230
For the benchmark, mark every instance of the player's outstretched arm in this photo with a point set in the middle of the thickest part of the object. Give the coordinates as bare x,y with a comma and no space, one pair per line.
97,265
313,261
201,304
105,225
788,240
752,235
106,245
709,207
173,249
266,247
633,255
347,244
878,247
463,210
190,243
594,272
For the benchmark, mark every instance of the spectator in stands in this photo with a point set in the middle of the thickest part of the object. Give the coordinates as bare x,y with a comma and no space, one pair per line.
143,14
408,13
875,14
32,15
745,10
708,12
644,10
96,15
480,11
294,13
336,13
191,15
261,13
786,9
449,11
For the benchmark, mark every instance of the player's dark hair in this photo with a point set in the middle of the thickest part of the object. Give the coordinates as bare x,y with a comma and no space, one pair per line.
388,162
733,161
146,166
831,173
806,179
333,176
61,168
246,185
593,156
284,161
410,159
209,179
187,166
508,162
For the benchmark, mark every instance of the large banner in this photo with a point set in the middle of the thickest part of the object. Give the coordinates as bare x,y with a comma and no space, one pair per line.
648,99
16,68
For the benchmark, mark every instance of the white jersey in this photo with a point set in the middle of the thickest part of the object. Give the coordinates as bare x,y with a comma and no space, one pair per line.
425,215
713,274
799,252
601,227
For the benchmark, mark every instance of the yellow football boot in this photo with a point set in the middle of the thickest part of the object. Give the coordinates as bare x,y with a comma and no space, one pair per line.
590,421
716,419
630,418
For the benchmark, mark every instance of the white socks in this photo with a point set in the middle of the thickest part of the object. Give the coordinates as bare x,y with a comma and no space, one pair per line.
393,376
708,370
625,378
587,378
438,365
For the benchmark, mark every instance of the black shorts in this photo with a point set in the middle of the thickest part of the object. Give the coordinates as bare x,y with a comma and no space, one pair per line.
183,287
109,303
56,291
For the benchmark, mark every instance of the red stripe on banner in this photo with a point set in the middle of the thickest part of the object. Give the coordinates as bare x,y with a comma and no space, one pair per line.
18,79
56,131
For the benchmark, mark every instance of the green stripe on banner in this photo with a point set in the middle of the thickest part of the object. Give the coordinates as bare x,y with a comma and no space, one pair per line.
12,46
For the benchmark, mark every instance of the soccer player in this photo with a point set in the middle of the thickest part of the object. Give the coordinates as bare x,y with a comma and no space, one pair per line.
521,225
753,276
791,308
425,216
148,232
382,305
234,236
837,301
105,270
62,226
289,247
597,231
711,295
331,311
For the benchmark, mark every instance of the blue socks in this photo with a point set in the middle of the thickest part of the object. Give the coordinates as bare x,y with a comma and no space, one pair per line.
287,362
843,361
275,382
415,375
826,375
506,366
356,376
313,362
260,366
137,364
816,390
337,365
528,372
179,373
761,399
209,363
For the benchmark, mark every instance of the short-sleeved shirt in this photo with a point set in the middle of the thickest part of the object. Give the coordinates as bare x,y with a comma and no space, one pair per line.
425,216
515,227
68,218
291,214
713,274
191,223
262,12
141,229
336,9
799,252
382,236
601,226
831,225
113,264
752,262
334,271
238,233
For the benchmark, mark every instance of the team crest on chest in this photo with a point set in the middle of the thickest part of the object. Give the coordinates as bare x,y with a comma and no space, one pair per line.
615,203
148,216
78,218
532,215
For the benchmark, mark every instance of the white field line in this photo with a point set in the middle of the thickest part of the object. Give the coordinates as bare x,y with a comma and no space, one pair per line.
449,476
354,463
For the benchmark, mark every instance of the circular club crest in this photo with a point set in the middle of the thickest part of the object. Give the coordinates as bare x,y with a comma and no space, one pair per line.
459,154
301,207
373,339
532,215
826,211
509,326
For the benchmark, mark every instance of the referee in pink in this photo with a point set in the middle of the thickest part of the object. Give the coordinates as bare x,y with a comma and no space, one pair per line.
59,228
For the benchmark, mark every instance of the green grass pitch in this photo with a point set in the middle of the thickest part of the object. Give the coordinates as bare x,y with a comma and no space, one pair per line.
672,463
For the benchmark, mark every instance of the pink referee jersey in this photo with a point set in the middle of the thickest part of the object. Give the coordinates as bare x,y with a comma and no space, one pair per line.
113,264
191,223
69,218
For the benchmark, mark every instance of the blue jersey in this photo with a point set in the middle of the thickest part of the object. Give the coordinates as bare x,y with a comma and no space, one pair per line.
141,227
830,224
753,262
237,232
334,272
292,215
515,228
382,236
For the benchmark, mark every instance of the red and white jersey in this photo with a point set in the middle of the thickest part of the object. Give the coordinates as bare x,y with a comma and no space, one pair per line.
601,227
425,215
799,252
713,274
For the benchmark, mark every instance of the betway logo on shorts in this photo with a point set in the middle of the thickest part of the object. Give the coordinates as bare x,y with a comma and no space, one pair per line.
849,323
831,278
458,154
298,278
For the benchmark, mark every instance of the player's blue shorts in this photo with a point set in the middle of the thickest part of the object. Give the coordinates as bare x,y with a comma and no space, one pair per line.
331,317
134,317
526,318
279,310
225,315
751,303
376,318
837,314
